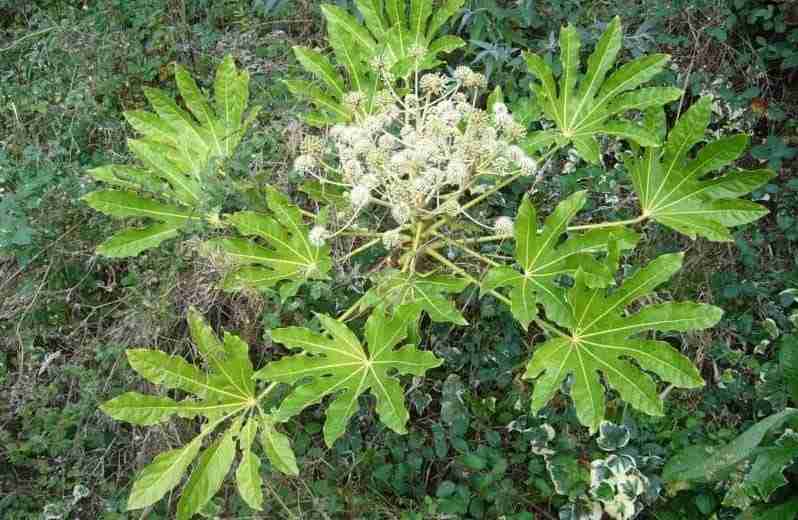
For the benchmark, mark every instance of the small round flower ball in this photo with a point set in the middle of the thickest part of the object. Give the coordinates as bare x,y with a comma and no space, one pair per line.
317,236
462,73
360,196
304,163
503,225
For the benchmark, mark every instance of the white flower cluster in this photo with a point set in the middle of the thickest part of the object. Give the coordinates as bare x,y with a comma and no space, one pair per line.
419,153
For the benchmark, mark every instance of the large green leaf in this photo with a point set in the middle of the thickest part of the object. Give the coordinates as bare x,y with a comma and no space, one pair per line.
543,257
710,464
594,107
336,364
277,448
601,338
141,409
282,250
389,31
133,241
207,476
224,393
673,188
162,475
412,293
179,152
249,481
129,204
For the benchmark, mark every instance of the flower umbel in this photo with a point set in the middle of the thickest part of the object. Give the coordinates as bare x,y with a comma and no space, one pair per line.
419,154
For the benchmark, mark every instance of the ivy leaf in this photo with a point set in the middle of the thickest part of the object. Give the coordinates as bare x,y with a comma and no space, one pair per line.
338,365
178,151
566,473
613,436
542,258
595,106
673,188
412,293
601,336
282,251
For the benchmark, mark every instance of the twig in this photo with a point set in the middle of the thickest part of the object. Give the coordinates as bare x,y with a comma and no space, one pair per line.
31,35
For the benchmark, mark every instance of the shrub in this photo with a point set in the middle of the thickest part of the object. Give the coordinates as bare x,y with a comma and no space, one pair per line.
407,160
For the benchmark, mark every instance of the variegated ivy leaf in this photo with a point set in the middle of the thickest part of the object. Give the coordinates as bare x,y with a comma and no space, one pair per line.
223,394
602,338
613,436
279,249
412,293
597,104
543,257
674,188
178,152
390,31
336,364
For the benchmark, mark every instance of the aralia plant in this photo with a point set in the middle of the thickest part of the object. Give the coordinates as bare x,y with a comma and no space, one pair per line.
406,156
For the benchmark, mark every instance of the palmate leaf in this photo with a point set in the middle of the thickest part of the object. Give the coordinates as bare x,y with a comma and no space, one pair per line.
597,104
674,189
543,258
390,30
338,365
224,395
412,293
178,151
601,339
281,250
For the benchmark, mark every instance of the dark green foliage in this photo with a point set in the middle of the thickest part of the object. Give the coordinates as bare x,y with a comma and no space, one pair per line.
66,74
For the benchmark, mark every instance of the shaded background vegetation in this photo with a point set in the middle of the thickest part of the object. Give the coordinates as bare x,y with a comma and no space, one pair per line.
68,69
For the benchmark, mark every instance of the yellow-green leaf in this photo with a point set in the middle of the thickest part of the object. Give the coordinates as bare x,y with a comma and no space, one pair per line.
341,368
601,337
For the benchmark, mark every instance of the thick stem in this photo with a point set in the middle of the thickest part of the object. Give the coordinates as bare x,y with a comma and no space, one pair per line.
367,245
476,200
410,260
466,250
445,261
351,310
604,225
502,298
266,392
480,240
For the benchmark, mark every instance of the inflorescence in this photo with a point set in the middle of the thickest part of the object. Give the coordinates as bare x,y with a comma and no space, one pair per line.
418,153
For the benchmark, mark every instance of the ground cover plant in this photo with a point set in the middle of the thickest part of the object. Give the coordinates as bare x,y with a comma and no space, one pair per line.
450,293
